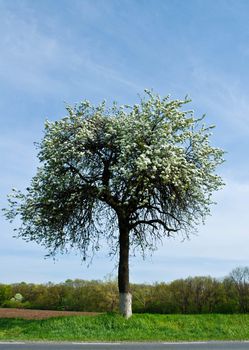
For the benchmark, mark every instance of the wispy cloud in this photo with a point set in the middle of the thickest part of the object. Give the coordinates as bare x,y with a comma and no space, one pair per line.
41,61
224,96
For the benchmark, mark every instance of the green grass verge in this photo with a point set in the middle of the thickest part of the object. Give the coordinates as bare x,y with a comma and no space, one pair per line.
144,327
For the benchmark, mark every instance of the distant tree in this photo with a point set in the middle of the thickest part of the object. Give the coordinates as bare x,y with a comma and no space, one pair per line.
240,279
142,297
181,295
161,301
111,295
205,294
18,297
230,302
5,293
130,174
214,295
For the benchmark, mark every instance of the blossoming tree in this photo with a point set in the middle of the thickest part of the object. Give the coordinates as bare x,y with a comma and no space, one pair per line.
130,174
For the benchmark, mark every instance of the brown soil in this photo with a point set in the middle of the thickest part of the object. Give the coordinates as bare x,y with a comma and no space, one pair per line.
40,314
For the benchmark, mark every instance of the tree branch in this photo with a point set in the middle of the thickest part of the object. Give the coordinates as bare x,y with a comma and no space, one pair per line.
152,222
77,172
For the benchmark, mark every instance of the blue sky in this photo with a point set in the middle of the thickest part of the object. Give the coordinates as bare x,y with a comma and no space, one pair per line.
60,51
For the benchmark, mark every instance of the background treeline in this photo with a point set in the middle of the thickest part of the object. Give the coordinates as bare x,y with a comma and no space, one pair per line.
187,296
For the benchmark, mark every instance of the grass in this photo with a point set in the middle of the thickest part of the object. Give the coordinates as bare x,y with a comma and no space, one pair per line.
144,327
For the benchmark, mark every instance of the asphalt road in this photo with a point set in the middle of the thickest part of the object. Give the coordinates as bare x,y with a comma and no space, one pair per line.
125,346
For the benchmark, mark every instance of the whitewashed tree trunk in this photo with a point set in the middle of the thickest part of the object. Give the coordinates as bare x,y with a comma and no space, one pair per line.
125,304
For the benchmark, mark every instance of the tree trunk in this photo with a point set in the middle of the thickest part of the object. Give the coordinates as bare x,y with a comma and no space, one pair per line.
125,299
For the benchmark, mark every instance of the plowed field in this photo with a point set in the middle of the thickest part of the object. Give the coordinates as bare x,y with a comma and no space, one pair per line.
40,314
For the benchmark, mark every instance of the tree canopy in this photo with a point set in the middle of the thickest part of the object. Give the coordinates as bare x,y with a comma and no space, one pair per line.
146,170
